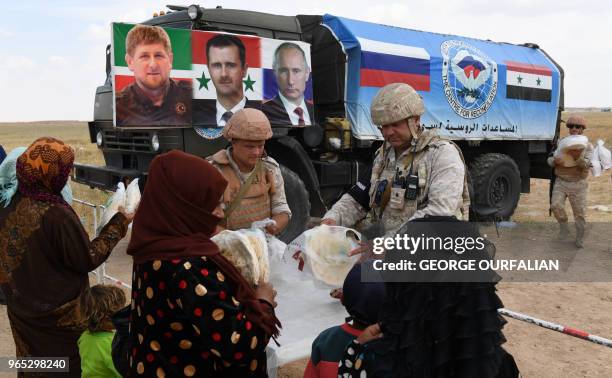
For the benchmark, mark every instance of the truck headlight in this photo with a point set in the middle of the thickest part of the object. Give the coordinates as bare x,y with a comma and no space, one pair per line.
194,12
99,138
155,142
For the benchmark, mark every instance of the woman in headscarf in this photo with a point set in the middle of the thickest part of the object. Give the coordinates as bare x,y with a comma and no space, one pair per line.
45,255
193,314
434,323
9,182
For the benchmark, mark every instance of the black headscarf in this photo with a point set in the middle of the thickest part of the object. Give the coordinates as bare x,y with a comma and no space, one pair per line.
362,300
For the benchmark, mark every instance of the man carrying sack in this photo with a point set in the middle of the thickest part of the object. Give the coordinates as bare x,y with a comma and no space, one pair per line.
571,180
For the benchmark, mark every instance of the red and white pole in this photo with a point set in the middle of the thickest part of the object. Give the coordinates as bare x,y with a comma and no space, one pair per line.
556,327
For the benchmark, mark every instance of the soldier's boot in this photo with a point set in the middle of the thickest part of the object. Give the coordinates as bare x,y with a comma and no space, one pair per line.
563,231
579,235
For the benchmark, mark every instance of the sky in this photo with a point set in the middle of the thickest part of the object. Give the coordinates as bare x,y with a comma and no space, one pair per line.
53,51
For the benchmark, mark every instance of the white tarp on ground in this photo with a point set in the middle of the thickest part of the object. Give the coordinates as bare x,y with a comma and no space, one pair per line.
304,310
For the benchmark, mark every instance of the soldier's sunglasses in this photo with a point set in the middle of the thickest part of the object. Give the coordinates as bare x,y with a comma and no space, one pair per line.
575,127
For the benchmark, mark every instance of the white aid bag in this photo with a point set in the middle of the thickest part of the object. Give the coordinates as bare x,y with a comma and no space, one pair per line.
570,142
595,163
276,247
132,197
322,253
605,156
247,250
112,206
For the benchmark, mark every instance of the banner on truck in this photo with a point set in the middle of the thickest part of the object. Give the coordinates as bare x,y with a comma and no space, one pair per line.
174,77
472,89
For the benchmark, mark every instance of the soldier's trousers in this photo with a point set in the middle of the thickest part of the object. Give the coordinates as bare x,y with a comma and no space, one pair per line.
577,193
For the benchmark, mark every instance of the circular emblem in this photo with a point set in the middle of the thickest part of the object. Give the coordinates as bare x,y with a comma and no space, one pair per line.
180,108
209,132
469,78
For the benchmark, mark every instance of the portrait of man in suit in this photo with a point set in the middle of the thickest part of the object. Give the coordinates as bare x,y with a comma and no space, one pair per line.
226,61
292,72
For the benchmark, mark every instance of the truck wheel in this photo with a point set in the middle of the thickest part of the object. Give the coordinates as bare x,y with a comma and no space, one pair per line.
496,183
299,203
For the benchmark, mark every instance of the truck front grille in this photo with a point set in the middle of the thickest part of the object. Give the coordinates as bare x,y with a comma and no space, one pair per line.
127,141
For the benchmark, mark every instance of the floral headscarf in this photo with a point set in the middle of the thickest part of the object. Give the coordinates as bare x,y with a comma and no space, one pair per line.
43,169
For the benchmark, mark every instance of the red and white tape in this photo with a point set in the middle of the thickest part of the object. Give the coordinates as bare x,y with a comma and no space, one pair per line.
556,327
117,282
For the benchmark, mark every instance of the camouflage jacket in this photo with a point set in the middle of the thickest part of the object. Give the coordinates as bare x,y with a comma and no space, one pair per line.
278,199
442,185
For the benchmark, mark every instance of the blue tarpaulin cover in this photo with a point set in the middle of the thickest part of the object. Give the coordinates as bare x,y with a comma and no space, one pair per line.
472,89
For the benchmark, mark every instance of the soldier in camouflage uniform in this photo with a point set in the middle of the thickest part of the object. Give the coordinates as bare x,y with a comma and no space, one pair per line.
571,182
415,173
153,99
255,189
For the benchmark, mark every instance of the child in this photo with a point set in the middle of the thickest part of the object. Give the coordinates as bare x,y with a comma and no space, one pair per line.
98,304
362,301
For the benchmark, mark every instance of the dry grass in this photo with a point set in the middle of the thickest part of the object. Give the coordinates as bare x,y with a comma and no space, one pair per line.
74,133
531,207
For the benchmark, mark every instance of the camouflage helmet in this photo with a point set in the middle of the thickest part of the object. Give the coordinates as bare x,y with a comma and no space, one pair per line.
248,124
575,119
395,102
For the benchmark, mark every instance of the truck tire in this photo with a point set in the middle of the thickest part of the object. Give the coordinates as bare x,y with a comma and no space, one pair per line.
299,203
496,183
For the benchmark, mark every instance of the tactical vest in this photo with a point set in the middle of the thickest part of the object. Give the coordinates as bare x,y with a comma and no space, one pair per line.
415,158
255,204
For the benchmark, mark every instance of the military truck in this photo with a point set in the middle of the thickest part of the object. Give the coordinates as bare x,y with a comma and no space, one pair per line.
500,102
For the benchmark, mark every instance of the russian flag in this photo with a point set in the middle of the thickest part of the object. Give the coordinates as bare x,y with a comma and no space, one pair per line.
528,82
384,63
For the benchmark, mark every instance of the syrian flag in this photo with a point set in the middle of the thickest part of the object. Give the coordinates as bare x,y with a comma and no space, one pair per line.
384,63
528,82
180,40
203,87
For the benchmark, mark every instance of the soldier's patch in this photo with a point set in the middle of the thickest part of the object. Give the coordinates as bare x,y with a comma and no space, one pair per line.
180,108
209,132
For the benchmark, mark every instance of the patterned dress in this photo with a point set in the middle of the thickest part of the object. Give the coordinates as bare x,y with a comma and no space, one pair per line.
45,255
185,322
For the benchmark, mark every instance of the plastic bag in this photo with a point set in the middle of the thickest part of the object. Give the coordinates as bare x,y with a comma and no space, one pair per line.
276,247
605,155
262,224
259,244
322,253
247,250
112,206
132,197
595,163
570,142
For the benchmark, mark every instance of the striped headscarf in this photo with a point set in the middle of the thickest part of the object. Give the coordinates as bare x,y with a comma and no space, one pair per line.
43,169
